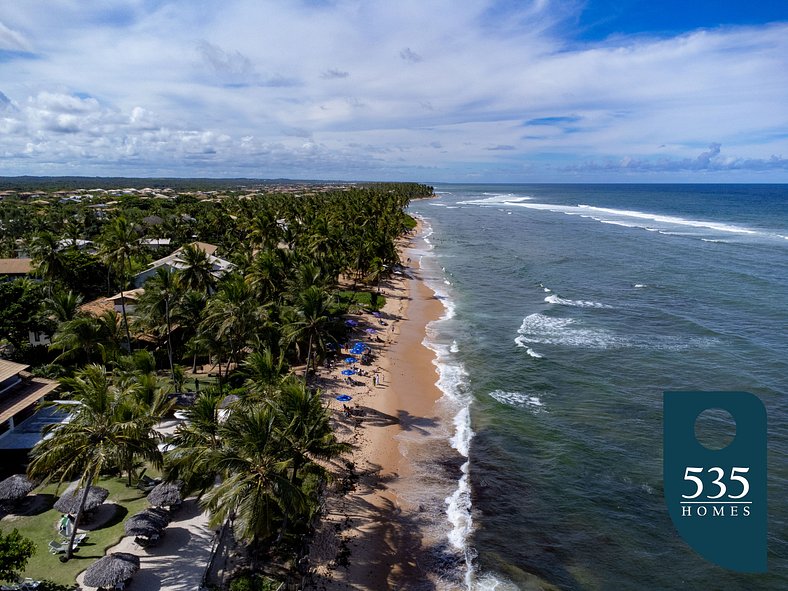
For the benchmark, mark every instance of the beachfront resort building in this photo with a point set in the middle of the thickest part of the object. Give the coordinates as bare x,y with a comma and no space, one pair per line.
20,420
174,262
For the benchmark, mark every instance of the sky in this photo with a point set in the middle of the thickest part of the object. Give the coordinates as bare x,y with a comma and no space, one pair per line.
423,90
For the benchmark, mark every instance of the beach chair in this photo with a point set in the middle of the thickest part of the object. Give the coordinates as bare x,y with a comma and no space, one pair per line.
58,547
79,538
146,483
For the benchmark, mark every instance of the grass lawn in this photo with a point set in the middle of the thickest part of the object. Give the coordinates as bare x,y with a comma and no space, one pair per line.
42,527
360,300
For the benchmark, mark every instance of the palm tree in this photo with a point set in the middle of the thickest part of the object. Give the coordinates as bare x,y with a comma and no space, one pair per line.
156,305
119,243
305,427
187,313
311,322
45,252
197,274
255,490
194,440
233,316
100,431
63,305
263,371
81,334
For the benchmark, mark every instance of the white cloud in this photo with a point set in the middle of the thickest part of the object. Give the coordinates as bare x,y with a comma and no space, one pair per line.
13,40
134,85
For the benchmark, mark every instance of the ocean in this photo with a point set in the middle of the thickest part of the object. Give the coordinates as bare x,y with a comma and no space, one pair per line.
569,309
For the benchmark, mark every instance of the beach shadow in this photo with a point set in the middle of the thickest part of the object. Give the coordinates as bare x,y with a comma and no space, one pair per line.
145,580
376,418
33,505
384,546
409,422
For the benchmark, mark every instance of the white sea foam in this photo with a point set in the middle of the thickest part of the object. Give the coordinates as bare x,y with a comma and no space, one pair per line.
458,511
640,285
519,400
453,383
496,199
539,329
652,222
554,299
522,342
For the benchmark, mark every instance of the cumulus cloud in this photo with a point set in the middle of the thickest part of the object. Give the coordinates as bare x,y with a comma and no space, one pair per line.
240,86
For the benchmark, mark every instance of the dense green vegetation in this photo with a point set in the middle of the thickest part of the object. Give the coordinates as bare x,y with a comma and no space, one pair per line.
277,305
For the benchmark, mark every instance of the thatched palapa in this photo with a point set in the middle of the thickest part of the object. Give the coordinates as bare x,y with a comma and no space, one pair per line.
14,488
69,502
112,569
166,494
146,519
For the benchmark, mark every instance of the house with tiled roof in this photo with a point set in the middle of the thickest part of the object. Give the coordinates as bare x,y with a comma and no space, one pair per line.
15,268
20,393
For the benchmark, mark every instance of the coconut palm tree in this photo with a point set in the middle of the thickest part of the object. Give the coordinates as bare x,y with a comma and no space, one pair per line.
310,323
155,306
100,431
233,315
63,305
305,426
119,243
263,371
197,273
255,491
194,440
45,252
80,335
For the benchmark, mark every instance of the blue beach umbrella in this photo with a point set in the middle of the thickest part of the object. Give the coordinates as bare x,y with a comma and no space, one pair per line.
376,314
348,372
350,359
370,330
351,322
344,398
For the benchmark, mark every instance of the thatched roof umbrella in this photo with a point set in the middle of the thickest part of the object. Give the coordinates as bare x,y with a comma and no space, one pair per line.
166,494
136,527
146,518
69,502
14,488
111,569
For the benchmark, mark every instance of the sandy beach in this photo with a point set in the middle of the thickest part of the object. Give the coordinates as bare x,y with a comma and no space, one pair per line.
369,537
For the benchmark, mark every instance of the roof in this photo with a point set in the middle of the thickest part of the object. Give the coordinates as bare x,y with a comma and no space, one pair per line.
9,369
131,294
97,307
208,249
15,266
173,260
25,395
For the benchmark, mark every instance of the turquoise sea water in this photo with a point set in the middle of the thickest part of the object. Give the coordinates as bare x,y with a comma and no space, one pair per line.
570,309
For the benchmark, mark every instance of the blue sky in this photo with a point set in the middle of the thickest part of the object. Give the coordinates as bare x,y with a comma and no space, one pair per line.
428,90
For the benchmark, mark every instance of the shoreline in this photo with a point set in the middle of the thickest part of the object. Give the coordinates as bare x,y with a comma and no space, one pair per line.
372,531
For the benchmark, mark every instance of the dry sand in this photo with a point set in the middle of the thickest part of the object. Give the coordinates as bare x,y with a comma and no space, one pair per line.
369,537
